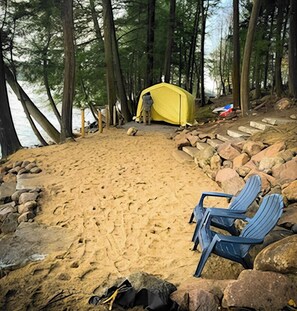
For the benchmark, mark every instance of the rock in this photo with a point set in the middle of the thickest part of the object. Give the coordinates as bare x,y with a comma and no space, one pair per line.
25,217
286,155
193,140
25,163
287,172
17,163
240,160
227,151
163,289
22,171
289,217
271,151
7,209
260,291
267,180
16,195
28,196
229,180
132,131
35,170
252,147
243,171
267,163
293,116
6,191
27,207
10,223
280,256
30,166
201,293
181,157
181,141
227,164
215,162
284,103
290,192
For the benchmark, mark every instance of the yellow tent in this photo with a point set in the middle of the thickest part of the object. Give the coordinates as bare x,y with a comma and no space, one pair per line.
172,104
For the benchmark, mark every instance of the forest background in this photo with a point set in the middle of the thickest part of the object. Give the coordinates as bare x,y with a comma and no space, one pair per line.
89,53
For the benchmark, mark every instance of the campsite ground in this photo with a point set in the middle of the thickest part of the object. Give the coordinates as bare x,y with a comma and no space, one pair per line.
113,204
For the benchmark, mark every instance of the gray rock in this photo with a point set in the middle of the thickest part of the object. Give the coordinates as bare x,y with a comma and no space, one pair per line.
27,207
28,196
30,166
35,170
16,195
280,256
6,209
22,171
289,217
25,217
294,228
10,223
260,291
141,280
227,164
25,163
6,191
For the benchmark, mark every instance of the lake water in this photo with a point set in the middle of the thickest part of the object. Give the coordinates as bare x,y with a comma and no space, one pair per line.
24,131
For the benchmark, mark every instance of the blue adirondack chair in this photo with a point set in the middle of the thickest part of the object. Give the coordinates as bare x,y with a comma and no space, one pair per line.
236,248
239,204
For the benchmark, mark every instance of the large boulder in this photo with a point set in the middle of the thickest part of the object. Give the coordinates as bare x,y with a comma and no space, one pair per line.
240,160
289,217
252,147
227,151
271,151
290,192
200,294
286,172
280,256
229,180
260,291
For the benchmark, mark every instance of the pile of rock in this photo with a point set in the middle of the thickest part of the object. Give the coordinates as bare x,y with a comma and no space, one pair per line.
17,205
271,285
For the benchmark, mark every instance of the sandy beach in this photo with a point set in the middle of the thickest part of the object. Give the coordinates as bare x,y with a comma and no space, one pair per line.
123,203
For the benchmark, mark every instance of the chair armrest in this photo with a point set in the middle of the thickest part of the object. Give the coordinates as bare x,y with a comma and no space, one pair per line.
237,240
213,194
223,212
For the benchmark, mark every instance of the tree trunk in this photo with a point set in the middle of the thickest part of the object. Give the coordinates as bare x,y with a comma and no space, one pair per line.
69,70
236,56
33,110
221,70
169,44
150,43
279,49
293,49
110,79
191,59
245,89
8,137
204,11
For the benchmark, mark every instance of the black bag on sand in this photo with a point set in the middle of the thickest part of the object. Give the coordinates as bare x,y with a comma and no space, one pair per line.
126,297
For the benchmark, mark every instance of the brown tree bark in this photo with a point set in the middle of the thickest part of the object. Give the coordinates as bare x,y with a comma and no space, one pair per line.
293,49
69,70
236,56
245,85
150,43
169,44
8,137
